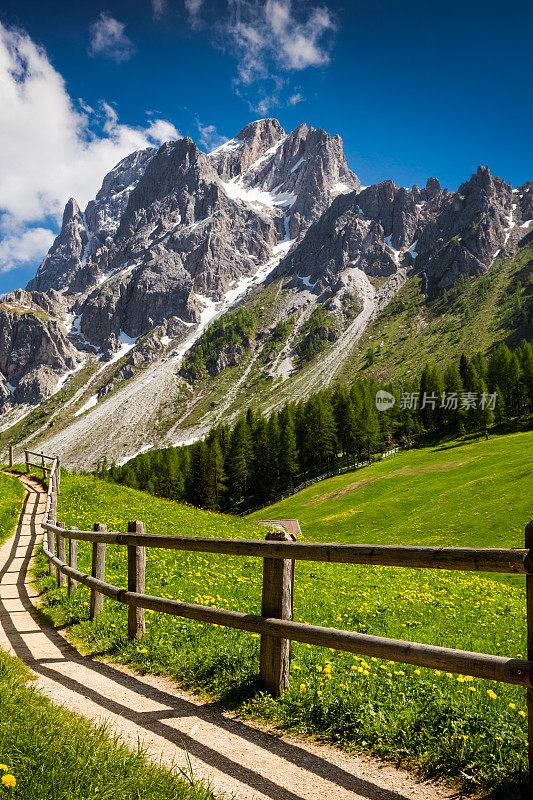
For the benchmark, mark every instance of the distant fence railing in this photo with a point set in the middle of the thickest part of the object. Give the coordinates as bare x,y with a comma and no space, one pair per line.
275,625
322,477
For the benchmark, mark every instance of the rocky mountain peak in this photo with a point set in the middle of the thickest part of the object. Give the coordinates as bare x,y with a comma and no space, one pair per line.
102,215
251,143
61,267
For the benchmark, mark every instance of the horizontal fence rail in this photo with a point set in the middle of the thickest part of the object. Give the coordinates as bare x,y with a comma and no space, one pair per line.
502,560
479,665
331,474
275,625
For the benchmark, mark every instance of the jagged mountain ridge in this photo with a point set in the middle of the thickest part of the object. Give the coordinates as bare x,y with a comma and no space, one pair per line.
175,237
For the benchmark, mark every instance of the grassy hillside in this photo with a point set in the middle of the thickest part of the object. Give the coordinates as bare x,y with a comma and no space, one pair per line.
471,730
457,494
486,310
11,493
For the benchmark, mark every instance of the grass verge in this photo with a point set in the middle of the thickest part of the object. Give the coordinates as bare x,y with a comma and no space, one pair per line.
11,494
52,754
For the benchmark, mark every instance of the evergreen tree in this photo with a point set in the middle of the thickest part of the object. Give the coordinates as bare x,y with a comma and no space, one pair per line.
217,476
199,489
239,462
288,453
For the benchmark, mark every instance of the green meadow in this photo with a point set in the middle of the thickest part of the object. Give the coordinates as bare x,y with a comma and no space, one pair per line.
468,731
11,494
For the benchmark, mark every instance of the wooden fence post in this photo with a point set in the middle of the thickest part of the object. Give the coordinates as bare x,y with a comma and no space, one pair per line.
97,571
58,475
27,457
275,653
72,562
136,581
52,519
11,448
529,606
61,554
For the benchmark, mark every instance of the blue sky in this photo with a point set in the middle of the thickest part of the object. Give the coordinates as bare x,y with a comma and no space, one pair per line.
414,89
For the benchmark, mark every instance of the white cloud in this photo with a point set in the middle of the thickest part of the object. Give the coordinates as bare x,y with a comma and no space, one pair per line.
194,8
210,138
271,40
18,246
108,39
50,148
159,8
295,98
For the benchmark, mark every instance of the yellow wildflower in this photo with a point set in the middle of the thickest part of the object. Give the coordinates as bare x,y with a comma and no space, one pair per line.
303,688
522,713
9,781
492,694
512,705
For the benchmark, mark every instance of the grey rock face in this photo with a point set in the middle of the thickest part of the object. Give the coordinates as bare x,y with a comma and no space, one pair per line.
228,357
255,139
309,168
180,236
394,208
525,194
443,234
34,351
63,266
464,230
342,237
103,214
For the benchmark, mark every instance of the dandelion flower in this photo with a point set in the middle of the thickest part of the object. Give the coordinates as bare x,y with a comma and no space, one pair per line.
512,705
303,688
9,781
492,694
522,713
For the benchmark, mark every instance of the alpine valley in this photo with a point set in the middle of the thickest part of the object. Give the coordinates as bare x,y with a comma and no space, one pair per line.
194,285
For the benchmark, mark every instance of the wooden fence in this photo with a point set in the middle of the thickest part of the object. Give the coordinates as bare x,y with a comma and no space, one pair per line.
338,471
275,625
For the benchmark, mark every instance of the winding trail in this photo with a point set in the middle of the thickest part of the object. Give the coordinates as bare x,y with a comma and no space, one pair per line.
240,759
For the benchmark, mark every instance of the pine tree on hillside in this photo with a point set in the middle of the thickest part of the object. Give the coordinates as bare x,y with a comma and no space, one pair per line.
239,462
525,355
216,475
288,450
199,489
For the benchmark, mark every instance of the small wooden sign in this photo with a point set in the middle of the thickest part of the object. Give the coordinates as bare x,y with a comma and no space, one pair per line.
290,525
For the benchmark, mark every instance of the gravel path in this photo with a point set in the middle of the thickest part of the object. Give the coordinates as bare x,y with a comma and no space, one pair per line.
240,759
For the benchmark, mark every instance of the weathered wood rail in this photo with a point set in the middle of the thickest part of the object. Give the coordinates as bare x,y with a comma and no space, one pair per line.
275,624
